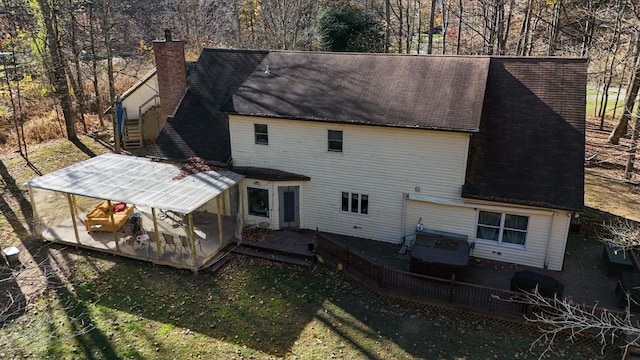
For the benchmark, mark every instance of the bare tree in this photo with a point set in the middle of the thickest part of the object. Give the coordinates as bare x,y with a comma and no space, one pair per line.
622,235
58,65
562,318
632,93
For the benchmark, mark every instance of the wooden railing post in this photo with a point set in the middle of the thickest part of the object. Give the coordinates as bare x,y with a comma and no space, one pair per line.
316,242
381,271
451,285
346,258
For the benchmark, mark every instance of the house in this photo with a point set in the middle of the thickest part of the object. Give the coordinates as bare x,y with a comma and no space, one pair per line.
373,145
370,145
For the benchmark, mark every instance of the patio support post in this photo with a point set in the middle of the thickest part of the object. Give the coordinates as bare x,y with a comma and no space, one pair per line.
73,218
192,241
219,219
36,221
113,221
155,229
75,204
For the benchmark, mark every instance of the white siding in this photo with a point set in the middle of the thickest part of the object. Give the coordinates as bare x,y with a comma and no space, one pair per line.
140,96
543,243
383,163
386,164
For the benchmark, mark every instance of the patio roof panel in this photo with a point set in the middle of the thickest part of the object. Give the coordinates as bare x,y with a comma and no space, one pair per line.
139,181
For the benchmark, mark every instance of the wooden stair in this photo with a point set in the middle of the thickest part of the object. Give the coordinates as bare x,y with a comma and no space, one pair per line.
290,255
131,135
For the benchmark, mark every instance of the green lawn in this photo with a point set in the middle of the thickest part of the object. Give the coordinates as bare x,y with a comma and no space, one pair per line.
98,306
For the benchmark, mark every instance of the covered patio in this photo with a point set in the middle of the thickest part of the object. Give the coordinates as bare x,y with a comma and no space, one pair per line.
139,208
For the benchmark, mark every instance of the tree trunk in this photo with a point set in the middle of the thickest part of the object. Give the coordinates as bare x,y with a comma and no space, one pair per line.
432,17
632,150
553,28
106,33
524,29
94,66
77,84
387,30
445,26
632,92
459,39
59,78
419,27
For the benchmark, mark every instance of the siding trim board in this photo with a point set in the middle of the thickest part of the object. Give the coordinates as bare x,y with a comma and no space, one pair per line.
463,203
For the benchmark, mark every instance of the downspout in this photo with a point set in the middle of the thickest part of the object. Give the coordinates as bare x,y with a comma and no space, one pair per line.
546,260
405,197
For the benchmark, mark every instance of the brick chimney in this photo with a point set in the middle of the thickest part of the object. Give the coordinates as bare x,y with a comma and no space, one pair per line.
172,72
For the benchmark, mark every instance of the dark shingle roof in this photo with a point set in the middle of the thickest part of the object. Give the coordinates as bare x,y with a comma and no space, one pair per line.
198,129
529,112
443,93
530,148
268,174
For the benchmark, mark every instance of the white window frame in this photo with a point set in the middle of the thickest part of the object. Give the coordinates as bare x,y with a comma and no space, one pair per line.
501,228
341,141
350,203
253,209
265,134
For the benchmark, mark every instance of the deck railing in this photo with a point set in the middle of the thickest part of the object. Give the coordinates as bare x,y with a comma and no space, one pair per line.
445,290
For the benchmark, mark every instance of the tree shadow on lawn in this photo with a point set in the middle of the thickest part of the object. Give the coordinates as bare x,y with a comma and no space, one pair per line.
283,310
256,304
264,308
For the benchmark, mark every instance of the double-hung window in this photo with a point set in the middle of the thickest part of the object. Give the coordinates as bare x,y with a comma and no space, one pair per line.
502,228
262,135
355,203
335,140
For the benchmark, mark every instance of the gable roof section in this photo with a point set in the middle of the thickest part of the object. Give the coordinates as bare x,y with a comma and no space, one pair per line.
530,148
138,84
443,93
198,128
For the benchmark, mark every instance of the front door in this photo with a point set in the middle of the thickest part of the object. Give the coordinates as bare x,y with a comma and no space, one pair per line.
289,200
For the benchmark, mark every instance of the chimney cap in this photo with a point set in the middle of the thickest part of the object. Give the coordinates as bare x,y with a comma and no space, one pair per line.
167,35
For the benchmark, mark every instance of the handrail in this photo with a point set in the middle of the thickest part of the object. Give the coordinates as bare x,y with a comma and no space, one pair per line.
140,127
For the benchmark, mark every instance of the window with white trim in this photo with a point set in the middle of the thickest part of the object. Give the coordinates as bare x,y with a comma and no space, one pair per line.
258,201
335,140
355,203
502,228
262,134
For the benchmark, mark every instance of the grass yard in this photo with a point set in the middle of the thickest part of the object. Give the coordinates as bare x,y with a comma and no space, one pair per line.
249,309
89,305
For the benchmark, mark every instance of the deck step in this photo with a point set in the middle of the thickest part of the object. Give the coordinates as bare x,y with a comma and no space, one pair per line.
286,250
218,264
263,254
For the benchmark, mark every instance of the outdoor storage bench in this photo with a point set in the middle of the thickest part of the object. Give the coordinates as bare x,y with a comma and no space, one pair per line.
99,218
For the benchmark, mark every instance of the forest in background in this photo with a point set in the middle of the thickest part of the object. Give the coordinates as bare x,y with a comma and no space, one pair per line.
64,61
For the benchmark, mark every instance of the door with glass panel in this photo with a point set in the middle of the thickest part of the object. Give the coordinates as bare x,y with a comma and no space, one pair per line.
289,204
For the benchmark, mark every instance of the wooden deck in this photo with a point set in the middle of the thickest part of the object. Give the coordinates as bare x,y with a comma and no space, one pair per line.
206,236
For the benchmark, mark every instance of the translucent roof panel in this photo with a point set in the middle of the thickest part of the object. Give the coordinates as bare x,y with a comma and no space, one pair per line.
139,181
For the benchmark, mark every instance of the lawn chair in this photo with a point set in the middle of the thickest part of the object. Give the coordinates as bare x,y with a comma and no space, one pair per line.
185,243
167,239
